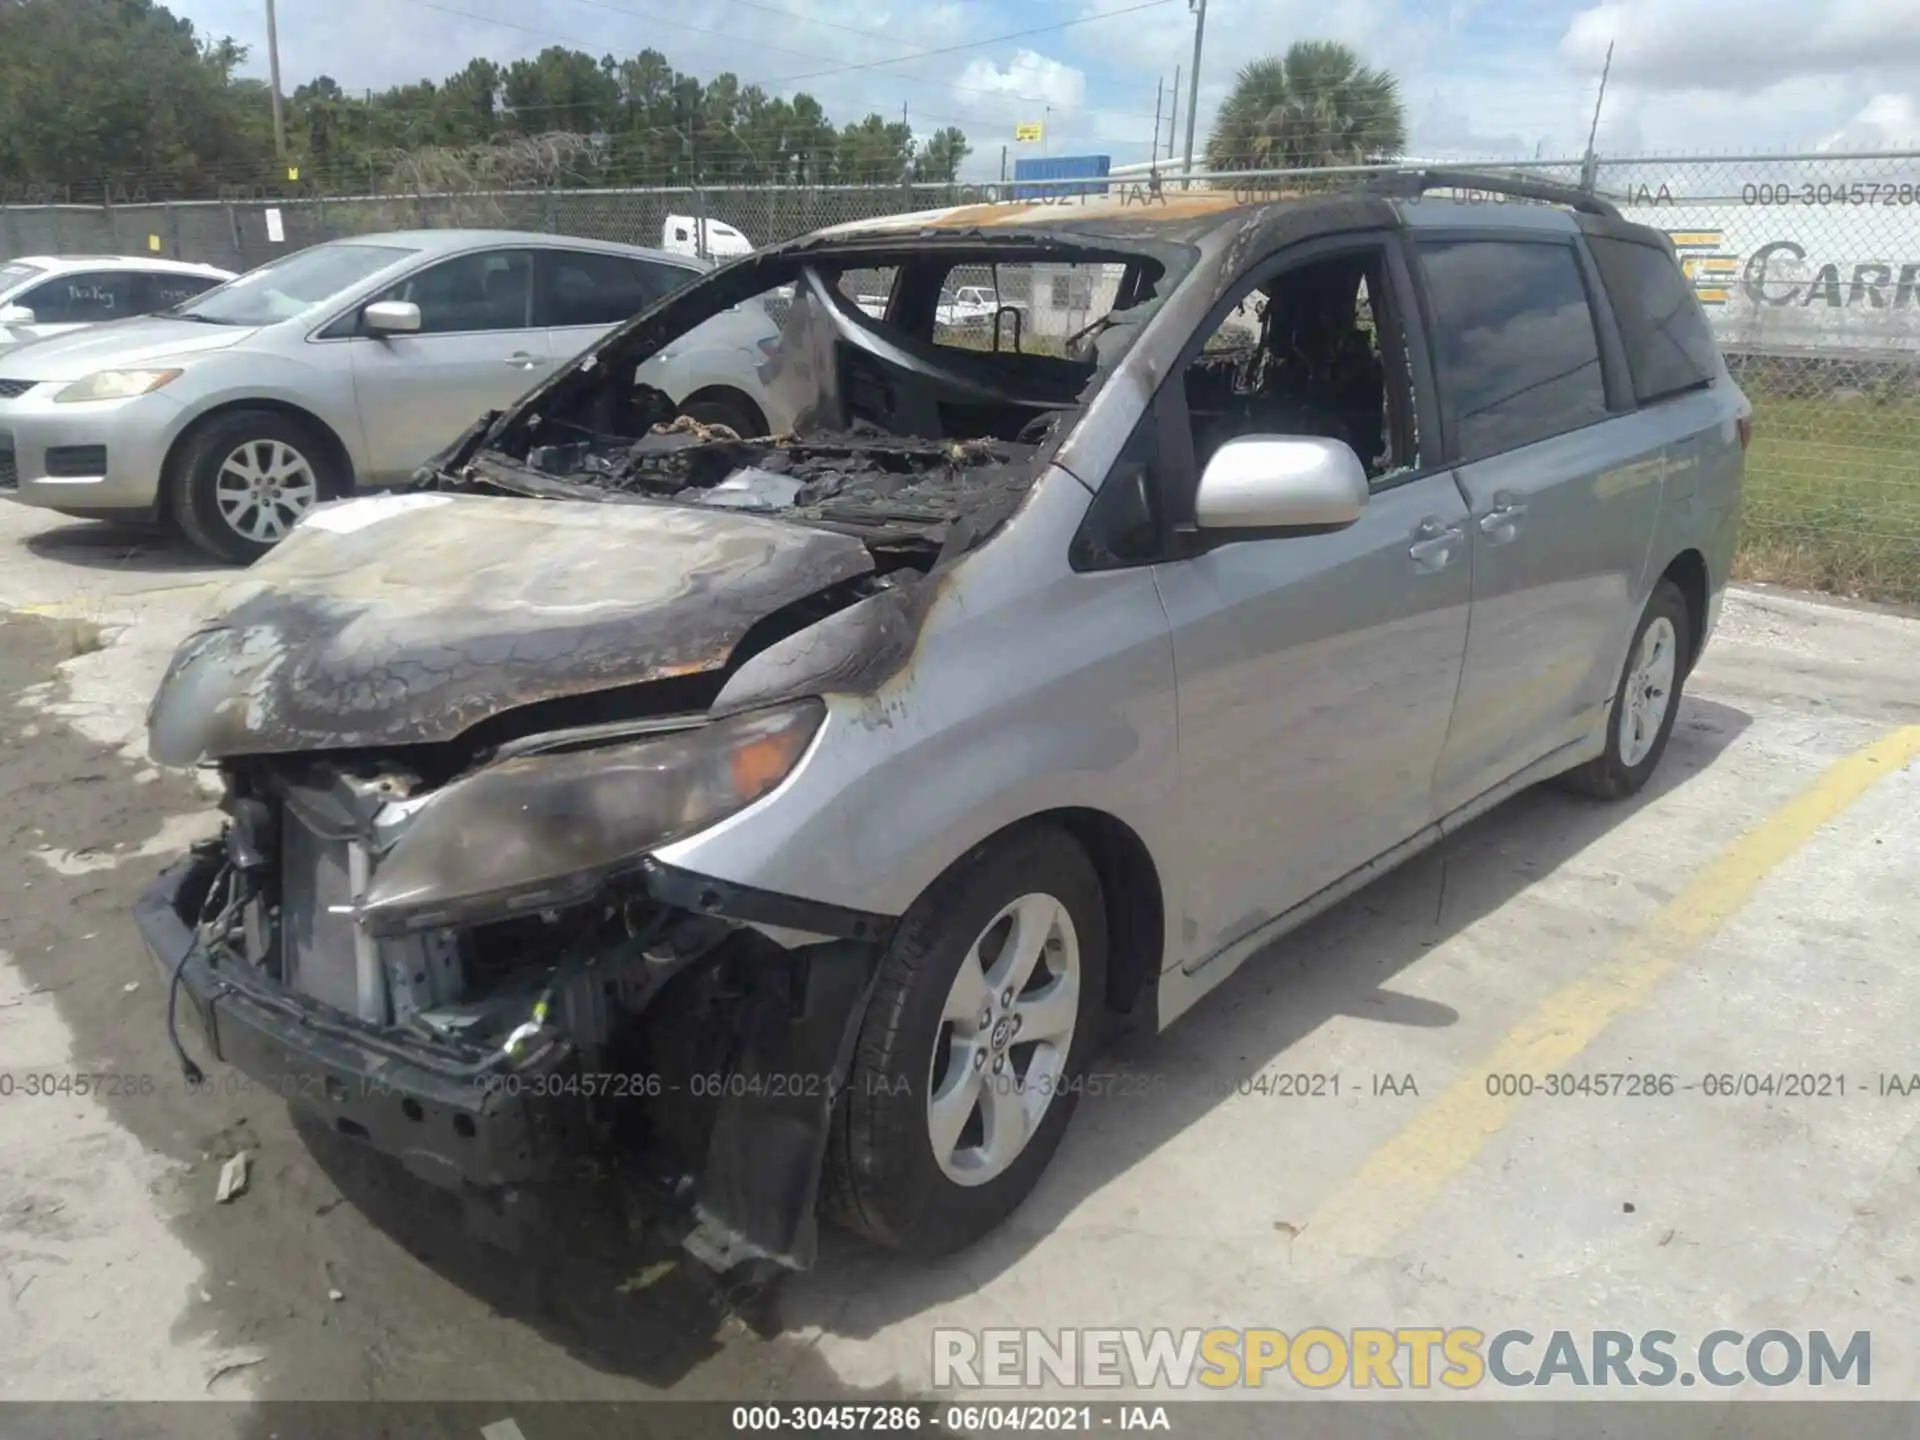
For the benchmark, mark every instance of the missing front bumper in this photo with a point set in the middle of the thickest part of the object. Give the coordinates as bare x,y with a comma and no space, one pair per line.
422,1105
462,1128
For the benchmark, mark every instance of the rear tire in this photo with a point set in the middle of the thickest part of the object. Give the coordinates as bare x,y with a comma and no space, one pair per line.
940,1053
1645,702
245,478
735,412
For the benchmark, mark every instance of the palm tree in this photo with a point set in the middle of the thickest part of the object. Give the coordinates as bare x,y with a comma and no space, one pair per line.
1315,105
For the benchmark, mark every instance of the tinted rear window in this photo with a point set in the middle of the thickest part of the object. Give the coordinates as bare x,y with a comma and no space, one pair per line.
592,288
1669,347
1519,357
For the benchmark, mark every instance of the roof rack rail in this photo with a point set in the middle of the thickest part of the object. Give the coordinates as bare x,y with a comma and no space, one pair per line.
1414,183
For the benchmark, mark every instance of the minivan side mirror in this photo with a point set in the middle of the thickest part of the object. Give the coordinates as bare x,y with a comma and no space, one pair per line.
1281,482
15,315
391,317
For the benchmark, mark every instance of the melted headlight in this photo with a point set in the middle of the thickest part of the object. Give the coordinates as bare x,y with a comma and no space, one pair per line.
547,830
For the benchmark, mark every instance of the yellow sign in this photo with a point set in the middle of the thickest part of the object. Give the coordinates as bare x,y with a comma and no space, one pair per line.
1705,261
293,172
1029,130
153,242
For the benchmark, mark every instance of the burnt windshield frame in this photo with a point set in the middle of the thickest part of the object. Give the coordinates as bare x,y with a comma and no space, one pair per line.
749,276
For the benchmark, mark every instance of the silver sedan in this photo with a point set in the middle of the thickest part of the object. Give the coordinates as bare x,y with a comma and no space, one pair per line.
339,367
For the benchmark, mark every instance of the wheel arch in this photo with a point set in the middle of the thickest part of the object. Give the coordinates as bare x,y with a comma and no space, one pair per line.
1131,892
1688,572
339,457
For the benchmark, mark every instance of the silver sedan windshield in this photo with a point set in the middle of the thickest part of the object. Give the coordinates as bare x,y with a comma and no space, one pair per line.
284,288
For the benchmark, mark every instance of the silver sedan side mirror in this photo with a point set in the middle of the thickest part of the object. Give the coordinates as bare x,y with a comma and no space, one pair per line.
15,315
1273,482
391,317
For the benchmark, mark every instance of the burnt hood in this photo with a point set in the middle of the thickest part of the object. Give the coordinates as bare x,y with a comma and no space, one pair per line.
407,619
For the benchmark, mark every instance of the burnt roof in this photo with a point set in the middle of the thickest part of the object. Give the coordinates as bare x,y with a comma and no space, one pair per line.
1126,211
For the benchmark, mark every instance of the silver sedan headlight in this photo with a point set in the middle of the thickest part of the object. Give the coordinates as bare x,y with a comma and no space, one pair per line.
115,385
547,830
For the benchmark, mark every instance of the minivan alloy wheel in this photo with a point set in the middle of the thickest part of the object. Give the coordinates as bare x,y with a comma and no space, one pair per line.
1649,691
263,488
1006,1031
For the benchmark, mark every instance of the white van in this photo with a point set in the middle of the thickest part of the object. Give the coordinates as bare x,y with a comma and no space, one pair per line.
723,241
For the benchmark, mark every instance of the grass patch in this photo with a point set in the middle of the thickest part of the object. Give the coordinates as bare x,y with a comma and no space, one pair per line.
1833,497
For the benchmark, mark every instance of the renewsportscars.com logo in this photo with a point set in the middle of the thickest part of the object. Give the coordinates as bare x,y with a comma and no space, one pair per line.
1404,1357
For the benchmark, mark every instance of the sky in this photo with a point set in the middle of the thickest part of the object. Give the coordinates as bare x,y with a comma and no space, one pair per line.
1481,79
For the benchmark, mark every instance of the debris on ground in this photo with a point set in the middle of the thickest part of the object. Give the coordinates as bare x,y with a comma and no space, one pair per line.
233,1179
238,1362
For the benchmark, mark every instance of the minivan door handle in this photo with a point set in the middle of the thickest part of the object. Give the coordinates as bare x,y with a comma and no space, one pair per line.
526,360
1435,543
1502,522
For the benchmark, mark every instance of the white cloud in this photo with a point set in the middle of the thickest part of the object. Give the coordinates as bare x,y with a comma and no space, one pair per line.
1030,75
1743,45
1886,122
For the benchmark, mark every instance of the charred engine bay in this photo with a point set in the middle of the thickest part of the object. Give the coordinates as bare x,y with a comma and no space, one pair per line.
894,491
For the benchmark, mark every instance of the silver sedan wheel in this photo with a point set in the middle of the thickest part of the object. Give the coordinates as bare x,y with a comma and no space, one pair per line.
1643,708
263,488
1005,1034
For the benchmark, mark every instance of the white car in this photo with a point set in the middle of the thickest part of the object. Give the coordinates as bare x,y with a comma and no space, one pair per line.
971,305
42,295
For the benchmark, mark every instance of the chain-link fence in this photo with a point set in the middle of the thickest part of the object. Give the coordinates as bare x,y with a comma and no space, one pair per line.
1808,267
238,233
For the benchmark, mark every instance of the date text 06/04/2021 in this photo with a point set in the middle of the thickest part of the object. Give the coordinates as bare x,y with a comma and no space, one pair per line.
1785,1083
950,1419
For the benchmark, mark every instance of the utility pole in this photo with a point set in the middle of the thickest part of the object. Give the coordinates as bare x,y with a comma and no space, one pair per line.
1173,120
1153,155
1590,166
1199,8
273,73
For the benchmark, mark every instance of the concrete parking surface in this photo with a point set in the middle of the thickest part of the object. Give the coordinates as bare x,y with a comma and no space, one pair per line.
1754,913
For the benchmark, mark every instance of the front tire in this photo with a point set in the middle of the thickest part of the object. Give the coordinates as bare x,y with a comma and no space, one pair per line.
245,479
1645,702
970,1056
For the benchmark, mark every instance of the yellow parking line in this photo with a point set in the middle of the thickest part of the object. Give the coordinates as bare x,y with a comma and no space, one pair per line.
1402,1178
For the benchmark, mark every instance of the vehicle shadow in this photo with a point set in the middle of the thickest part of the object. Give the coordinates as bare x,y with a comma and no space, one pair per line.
1342,963
611,1286
601,1272
119,545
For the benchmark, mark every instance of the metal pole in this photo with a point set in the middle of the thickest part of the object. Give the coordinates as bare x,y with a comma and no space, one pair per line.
1589,168
1173,119
1193,82
273,72
1153,155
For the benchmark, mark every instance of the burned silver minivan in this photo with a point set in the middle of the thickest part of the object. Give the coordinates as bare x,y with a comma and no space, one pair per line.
800,806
